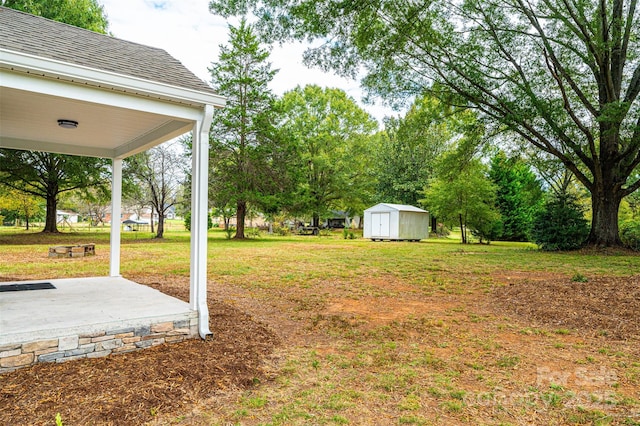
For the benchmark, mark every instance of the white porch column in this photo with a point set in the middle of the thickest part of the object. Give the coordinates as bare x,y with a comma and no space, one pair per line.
116,207
199,212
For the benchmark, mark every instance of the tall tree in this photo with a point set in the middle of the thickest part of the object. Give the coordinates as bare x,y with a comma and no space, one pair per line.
331,133
407,153
93,203
19,205
47,175
463,194
246,152
160,171
88,14
564,76
518,195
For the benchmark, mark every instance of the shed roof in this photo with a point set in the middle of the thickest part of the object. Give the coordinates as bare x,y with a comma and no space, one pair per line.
34,35
397,207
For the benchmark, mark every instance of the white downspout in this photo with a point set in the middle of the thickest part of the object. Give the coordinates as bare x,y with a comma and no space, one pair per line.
199,212
116,207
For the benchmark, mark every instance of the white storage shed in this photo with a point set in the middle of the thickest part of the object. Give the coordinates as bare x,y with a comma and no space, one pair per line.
395,222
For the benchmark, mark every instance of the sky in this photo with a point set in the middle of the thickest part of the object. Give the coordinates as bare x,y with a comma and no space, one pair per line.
190,33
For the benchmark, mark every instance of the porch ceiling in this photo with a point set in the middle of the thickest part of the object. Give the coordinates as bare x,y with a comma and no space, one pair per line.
29,120
125,97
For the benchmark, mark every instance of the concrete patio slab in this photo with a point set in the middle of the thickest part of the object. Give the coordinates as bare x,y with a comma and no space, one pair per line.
87,312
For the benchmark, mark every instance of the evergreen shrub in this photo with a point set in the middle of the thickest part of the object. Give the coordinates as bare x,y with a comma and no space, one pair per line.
187,221
630,234
560,225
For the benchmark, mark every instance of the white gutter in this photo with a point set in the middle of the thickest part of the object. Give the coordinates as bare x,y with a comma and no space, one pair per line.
199,207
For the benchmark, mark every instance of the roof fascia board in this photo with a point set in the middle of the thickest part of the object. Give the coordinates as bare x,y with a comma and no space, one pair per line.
106,79
102,96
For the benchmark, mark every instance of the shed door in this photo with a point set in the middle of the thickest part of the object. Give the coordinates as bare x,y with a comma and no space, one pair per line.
380,224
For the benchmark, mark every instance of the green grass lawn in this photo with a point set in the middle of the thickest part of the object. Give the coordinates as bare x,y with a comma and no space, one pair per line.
319,255
384,332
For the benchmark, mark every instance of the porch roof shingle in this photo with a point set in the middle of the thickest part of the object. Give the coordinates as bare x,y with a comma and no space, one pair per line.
34,35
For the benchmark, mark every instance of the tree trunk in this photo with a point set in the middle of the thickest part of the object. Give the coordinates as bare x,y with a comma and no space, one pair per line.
606,192
152,224
240,215
26,218
434,224
463,231
605,204
50,221
160,232
315,222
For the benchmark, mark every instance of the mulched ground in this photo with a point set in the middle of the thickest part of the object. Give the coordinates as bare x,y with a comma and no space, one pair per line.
133,388
603,306
174,380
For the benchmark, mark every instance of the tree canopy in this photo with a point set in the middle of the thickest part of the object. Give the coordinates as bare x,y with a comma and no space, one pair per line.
330,132
19,205
47,175
518,195
408,150
463,193
564,76
160,173
247,154
88,14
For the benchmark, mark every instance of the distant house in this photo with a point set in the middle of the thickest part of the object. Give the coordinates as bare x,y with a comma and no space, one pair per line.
143,215
171,213
341,219
66,217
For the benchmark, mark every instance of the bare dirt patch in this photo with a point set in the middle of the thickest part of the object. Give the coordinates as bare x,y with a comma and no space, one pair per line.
383,310
605,306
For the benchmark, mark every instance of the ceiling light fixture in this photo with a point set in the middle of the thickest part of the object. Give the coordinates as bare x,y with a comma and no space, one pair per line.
68,124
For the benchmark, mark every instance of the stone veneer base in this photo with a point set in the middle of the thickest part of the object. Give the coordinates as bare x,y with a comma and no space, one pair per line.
96,344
